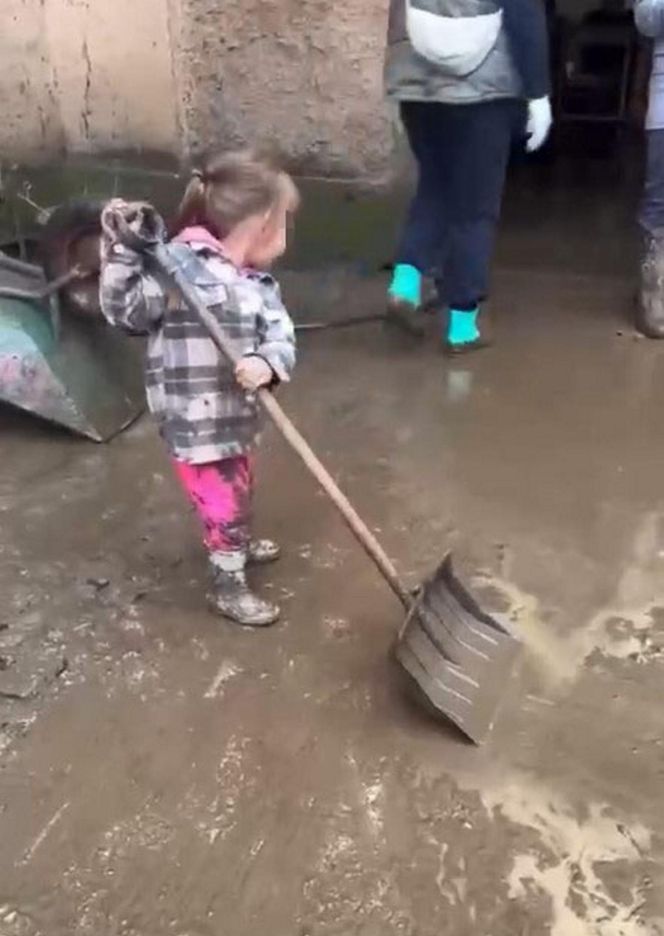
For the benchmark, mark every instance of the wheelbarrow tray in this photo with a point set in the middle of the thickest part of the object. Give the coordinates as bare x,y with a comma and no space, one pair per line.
78,373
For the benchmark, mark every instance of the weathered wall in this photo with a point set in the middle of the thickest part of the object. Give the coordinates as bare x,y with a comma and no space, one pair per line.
181,76
29,113
302,75
85,76
112,69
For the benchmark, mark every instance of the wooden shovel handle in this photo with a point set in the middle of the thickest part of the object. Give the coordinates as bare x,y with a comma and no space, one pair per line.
289,432
357,526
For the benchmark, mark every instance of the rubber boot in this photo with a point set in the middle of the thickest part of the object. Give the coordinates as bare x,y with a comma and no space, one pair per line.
404,300
231,596
463,333
263,552
650,305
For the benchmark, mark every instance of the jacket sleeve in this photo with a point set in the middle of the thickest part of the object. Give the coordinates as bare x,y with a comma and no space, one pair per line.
276,333
649,17
526,28
131,298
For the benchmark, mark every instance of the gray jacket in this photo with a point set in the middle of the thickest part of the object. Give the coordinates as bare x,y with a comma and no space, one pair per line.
517,67
649,16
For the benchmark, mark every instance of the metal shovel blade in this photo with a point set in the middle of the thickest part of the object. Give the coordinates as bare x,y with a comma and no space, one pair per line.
458,656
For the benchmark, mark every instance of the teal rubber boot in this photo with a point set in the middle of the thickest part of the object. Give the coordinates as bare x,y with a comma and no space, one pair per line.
405,299
463,332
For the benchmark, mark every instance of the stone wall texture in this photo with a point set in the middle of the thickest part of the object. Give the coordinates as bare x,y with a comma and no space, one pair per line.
184,76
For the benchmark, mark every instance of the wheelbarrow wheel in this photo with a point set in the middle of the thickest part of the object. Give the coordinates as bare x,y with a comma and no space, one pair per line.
70,238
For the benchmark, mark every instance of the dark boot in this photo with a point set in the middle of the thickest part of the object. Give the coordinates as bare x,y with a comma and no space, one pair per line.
404,300
232,597
408,318
650,305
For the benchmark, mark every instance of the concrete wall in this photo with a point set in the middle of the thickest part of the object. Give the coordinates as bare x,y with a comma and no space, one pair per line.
85,76
28,103
302,75
182,76
112,70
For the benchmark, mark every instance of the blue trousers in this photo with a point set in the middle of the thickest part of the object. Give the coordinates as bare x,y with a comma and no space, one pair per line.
462,153
651,217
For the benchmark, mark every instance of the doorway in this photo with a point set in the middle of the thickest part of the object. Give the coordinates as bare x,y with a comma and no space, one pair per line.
573,207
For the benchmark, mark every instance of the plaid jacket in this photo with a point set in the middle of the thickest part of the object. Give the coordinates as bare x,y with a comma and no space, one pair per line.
203,414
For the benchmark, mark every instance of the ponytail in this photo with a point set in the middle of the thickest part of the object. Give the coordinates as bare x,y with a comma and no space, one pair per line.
192,207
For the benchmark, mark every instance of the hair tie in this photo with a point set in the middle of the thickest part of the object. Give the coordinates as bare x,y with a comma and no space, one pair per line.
197,174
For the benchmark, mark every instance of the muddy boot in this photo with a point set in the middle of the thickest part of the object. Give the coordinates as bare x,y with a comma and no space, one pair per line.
404,300
650,305
263,552
232,597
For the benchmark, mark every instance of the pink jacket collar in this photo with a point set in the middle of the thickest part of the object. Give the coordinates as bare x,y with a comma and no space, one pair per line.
200,235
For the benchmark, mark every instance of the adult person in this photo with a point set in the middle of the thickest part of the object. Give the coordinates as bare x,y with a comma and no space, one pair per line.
649,16
461,72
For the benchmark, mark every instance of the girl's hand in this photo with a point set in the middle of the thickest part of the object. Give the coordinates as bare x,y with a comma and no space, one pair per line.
134,225
252,372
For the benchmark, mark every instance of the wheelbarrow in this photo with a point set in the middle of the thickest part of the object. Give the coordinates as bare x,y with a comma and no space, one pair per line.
458,658
62,364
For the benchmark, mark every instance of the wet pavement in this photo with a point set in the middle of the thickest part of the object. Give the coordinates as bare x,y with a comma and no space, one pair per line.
166,773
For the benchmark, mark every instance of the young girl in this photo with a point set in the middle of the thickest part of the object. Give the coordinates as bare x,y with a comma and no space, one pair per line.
231,224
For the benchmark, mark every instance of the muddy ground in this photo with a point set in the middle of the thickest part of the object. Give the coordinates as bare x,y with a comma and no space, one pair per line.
163,772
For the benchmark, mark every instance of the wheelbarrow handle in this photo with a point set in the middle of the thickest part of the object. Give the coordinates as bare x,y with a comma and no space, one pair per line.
169,265
19,266
47,290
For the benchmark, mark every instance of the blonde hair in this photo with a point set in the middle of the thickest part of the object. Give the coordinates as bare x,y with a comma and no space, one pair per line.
232,187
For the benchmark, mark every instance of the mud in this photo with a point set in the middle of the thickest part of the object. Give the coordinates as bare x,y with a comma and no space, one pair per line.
165,773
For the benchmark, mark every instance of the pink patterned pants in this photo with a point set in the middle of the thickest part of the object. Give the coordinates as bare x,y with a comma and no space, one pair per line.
221,494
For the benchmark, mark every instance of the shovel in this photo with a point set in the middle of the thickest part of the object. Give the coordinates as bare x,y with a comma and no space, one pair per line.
456,656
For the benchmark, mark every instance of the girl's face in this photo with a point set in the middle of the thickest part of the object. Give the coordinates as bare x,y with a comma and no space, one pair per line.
270,238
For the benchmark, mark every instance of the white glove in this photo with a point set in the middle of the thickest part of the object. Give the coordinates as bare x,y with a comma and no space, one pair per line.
540,119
